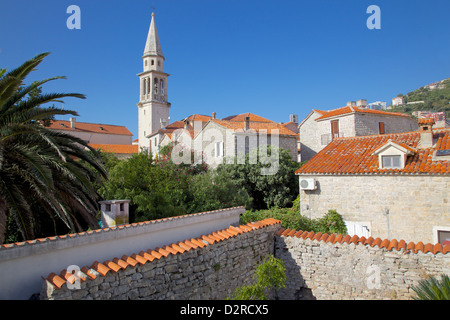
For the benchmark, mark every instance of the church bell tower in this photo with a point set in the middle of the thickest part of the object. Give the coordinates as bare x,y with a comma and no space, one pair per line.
153,107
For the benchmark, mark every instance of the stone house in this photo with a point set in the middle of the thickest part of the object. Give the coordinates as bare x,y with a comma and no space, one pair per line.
319,128
390,185
106,137
214,140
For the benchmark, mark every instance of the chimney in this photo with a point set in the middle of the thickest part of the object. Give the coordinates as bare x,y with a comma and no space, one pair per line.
426,132
246,123
293,118
213,115
114,213
351,104
72,122
186,123
163,123
361,103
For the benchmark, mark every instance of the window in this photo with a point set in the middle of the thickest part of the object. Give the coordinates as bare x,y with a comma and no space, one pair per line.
218,149
391,162
161,84
381,127
153,62
146,62
156,86
122,207
444,236
108,207
334,129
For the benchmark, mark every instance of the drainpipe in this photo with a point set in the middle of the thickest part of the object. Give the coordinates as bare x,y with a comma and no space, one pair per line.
386,213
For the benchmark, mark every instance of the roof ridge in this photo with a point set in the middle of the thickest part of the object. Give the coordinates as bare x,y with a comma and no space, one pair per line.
386,243
116,264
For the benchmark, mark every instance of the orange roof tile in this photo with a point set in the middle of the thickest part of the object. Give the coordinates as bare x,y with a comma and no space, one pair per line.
355,155
89,127
252,117
378,242
270,127
116,264
349,110
116,148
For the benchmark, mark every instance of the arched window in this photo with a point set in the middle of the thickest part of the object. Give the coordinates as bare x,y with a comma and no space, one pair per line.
144,84
149,89
162,87
156,86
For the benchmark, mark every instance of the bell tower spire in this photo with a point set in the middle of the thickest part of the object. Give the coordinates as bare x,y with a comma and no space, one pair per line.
153,106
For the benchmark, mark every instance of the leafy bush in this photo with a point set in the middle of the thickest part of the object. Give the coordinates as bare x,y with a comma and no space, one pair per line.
271,274
160,188
278,189
331,222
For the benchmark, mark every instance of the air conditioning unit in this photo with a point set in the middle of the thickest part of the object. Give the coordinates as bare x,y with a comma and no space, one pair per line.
308,184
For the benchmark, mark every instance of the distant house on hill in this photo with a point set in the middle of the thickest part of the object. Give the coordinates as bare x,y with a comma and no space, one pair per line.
387,186
109,138
319,128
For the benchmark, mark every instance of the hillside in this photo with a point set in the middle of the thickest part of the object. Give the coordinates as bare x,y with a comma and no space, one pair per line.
437,100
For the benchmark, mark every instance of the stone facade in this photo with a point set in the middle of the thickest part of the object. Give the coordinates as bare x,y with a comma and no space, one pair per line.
208,273
316,134
416,203
342,271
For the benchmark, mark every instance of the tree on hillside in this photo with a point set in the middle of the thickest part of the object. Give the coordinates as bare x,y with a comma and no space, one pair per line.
42,170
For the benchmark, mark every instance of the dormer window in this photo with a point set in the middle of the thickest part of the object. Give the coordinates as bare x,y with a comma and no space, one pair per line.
391,162
393,155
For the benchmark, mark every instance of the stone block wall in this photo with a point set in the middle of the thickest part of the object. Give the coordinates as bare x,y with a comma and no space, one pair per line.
208,267
416,204
339,268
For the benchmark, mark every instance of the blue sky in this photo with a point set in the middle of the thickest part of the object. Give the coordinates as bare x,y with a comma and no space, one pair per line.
271,58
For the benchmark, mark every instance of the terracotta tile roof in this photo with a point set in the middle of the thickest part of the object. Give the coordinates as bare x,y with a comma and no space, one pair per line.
116,264
388,244
355,155
116,148
348,110
238,126
90,127
241,117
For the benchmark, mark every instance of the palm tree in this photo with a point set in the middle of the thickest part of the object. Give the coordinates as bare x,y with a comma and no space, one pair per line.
41,169
433,289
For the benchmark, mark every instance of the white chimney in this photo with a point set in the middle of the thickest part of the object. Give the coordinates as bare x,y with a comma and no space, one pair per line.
72,122
293,118
246,123
426,132
351,104
361,103
114,212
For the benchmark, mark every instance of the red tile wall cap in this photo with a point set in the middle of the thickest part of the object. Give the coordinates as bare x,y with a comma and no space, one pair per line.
116,264
378,242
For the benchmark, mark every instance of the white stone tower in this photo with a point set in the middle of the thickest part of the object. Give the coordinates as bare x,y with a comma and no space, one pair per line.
153,107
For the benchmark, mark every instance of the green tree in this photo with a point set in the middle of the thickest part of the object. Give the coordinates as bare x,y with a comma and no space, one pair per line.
40,169
271,274
279,188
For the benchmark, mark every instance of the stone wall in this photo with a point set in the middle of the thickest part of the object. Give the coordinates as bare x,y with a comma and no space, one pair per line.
416,204
205,268
31,260
347,270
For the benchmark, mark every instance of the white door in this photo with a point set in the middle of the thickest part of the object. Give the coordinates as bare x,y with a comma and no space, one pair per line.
361,229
